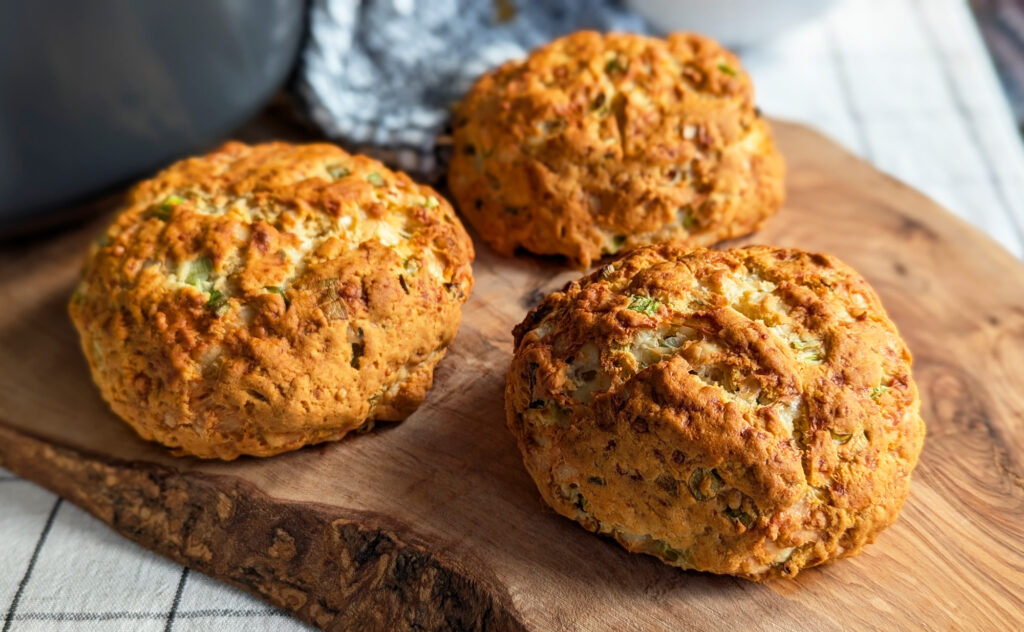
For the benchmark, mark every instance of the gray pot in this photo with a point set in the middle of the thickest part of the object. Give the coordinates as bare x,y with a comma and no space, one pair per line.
95,93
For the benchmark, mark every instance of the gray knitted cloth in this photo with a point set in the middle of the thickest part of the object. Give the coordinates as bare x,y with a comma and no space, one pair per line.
380,76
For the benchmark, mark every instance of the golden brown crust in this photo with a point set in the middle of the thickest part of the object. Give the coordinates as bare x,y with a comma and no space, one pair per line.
595,143
263,298
748,412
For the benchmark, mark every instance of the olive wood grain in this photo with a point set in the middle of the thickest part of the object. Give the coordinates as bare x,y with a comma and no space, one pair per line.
434,524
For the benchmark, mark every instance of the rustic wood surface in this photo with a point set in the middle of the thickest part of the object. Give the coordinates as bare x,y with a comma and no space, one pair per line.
434,523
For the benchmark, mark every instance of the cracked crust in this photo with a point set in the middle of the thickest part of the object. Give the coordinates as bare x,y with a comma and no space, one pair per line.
748,412
262,298
597,143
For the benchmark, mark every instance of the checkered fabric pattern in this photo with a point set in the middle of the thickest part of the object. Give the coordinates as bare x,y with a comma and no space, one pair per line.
906,84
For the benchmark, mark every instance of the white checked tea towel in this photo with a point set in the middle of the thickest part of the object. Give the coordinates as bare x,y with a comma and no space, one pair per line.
905,83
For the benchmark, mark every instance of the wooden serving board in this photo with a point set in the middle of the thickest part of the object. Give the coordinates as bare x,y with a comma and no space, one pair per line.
434,524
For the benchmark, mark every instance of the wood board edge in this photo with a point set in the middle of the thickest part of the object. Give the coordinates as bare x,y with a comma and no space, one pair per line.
329,568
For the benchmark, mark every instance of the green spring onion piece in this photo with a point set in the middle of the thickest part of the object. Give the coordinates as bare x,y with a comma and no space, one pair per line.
337,171
273,289
741,517
616,64
643,304
673,555
809,352
163,210
840,437
581,502
673,342
200,272
358,348
705,491
217,302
